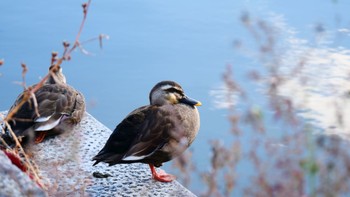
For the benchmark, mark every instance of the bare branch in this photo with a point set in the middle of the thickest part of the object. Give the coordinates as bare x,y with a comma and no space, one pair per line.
35,103
54,57
76,43
24,72
26,159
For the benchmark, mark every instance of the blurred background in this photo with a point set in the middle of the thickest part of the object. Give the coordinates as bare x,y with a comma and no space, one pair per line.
267,72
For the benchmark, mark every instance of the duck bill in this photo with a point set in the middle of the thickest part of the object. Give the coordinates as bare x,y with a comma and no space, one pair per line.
188,101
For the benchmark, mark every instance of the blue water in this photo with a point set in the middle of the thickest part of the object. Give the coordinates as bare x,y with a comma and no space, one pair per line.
190,42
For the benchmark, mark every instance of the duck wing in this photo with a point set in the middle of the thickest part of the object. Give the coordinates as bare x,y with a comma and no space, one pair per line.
139,135
54,103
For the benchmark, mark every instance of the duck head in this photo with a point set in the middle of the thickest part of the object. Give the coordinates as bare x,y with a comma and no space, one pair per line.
170,92
56,75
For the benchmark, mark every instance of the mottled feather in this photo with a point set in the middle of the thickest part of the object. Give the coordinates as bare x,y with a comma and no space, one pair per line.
155,133
59,105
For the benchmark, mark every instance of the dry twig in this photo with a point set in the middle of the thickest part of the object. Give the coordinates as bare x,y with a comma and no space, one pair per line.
29,93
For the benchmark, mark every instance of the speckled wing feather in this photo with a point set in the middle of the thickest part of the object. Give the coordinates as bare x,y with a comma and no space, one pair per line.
143,132
56,103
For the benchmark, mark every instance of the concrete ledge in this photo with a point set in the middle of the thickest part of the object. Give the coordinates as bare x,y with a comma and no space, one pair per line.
13,182
66,167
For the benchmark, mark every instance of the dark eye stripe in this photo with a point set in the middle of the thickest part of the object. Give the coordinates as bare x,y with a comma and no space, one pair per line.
174,90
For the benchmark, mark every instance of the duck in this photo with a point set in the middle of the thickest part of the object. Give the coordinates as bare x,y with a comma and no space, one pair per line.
155,133
57,108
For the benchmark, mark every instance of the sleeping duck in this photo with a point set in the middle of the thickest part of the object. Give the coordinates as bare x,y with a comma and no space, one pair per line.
155,133
59,108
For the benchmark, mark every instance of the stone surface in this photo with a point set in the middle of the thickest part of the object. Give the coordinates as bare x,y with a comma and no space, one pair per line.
13,182
66,167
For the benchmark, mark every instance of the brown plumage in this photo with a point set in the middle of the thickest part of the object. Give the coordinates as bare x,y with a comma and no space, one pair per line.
59,105
155,133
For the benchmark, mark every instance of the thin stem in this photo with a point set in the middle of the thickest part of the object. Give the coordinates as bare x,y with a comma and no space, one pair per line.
29,165
76,42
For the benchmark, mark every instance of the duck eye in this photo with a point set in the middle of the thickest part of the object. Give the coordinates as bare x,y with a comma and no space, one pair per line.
174,90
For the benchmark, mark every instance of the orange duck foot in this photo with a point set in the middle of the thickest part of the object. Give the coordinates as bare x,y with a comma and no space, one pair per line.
161,176
40,137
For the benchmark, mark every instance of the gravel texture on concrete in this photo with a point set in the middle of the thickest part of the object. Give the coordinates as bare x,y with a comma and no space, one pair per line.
66,167
13,182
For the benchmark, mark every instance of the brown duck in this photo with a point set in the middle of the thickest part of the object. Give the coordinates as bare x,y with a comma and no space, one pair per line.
59,108
155,133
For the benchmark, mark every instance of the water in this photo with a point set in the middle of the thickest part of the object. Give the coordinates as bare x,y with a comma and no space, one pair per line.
188,42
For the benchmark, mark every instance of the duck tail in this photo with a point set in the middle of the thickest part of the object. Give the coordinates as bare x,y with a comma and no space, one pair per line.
96,161
108,158
25,137
6,141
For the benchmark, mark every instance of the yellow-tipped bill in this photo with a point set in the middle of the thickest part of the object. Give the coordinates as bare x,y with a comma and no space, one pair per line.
189,101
